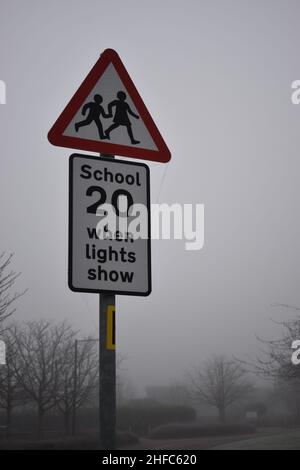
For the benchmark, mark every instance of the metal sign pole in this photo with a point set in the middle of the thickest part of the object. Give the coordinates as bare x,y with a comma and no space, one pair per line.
107,375
107,372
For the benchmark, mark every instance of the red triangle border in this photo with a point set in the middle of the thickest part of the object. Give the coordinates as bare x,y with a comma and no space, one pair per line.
56,137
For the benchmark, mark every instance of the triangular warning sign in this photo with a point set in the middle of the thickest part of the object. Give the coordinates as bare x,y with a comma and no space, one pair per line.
107,115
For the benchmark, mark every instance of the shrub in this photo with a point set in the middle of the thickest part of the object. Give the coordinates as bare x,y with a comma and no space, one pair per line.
181,431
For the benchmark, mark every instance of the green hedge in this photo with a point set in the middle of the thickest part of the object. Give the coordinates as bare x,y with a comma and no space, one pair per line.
140,419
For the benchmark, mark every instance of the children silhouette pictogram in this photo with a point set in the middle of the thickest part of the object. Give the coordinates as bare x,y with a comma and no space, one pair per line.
122,109
95,110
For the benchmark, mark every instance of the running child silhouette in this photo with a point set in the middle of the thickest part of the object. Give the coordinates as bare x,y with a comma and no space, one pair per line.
122,109
95,110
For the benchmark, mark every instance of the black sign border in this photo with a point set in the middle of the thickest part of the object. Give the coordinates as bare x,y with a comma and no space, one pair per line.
70,246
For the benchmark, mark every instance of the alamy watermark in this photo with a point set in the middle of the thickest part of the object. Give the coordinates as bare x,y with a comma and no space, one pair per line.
175,221
2,92
296,354
2,353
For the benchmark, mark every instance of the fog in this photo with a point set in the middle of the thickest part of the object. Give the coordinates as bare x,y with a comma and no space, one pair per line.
216,77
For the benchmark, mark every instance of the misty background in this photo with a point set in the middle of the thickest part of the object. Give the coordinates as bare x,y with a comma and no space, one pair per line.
216,77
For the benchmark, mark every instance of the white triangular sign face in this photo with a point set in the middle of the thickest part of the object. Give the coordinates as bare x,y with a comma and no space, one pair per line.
108,88
107,115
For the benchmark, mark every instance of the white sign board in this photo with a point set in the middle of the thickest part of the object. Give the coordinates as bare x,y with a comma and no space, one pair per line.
114,259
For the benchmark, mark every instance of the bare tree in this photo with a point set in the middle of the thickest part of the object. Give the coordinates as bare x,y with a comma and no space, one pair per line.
274,361
40,347
7,280
11,391
68,397
220,383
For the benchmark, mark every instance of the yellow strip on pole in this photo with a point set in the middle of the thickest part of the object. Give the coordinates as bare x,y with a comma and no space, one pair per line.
111,328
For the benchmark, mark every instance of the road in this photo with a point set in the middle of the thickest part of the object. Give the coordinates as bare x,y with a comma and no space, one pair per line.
198,443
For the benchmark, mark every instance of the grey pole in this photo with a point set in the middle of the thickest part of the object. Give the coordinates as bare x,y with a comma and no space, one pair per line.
107,382
107,375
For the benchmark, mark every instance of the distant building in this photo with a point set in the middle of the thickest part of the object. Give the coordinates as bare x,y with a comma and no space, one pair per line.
251,415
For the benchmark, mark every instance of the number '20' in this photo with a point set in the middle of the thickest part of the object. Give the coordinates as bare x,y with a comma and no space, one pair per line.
92,209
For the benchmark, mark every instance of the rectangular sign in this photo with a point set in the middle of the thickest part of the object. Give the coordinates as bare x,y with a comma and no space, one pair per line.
109,226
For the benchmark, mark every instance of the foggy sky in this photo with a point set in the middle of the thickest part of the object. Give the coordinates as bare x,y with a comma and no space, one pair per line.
216,77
